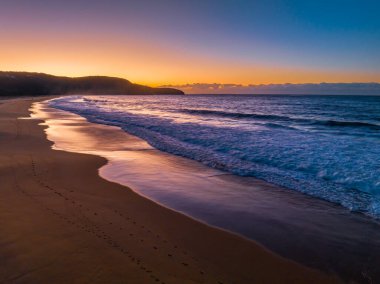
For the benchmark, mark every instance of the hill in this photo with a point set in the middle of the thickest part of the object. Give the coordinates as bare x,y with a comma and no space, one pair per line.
40,84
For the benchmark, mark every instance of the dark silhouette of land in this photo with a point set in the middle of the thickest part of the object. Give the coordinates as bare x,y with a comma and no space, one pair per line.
40,84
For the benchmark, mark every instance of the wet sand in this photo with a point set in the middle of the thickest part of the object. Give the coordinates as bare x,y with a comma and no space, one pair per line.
62,223
310,231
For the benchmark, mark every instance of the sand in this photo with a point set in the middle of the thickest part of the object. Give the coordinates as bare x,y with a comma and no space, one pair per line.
62,223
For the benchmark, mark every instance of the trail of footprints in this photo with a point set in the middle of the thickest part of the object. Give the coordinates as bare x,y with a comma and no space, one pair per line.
90,227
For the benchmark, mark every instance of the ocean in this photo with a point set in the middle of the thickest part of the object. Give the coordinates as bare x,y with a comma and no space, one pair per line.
327,147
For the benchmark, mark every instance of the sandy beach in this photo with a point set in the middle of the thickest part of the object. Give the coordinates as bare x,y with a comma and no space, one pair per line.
62,223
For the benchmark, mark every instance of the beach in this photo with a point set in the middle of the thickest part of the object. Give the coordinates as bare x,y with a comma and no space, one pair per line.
319,234
60,222
185,142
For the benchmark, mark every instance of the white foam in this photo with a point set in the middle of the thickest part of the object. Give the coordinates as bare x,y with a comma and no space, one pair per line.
340,165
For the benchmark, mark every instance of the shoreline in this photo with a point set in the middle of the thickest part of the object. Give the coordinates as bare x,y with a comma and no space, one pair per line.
60,222
310,231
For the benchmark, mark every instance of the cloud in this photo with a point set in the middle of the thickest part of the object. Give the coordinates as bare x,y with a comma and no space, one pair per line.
296,89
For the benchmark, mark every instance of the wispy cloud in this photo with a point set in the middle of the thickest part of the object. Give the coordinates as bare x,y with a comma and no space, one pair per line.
313,89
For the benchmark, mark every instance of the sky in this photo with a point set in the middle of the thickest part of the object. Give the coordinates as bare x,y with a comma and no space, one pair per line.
168,42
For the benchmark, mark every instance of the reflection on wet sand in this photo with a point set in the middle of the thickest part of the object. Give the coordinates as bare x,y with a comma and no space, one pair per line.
305,229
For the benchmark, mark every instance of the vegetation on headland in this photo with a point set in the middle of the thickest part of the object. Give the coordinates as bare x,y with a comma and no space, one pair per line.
40,84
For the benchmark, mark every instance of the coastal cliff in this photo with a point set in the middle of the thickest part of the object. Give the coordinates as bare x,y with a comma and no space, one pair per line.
40,84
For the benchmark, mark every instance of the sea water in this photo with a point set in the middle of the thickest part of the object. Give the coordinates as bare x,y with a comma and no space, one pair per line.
324,146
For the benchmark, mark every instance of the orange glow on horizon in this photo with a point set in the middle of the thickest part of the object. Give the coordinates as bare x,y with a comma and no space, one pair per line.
152,64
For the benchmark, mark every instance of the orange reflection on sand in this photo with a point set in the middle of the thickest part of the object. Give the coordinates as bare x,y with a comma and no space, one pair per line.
70,132
173,181
132,162
250,207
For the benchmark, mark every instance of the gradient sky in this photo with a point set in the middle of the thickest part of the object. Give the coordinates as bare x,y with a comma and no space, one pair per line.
159,42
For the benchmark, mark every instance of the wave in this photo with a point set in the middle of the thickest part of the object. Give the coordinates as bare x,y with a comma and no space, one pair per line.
237,115
233,114
340,169
336,123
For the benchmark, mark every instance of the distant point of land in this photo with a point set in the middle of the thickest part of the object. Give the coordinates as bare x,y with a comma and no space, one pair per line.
40,84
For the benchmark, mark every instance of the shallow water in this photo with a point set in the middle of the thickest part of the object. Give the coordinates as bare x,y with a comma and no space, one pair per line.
308,230
324,146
